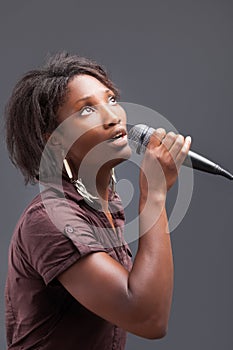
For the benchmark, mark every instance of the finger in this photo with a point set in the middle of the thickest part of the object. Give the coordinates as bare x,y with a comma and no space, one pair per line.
184,151
177,146
169,140
157,137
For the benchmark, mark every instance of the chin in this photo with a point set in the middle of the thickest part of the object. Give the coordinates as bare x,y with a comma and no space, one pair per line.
125,153
122,156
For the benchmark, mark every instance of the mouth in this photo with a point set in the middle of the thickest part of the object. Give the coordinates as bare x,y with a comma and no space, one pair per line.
118,134
119,137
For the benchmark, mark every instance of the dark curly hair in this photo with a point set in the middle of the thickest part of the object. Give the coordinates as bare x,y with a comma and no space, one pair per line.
32,107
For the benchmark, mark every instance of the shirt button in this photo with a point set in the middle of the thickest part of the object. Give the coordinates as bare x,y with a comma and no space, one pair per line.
68,229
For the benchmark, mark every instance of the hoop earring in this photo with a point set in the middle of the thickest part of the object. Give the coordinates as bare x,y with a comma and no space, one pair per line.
113,181
80,187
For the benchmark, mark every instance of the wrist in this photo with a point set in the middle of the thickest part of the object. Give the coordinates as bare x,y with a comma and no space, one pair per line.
155,199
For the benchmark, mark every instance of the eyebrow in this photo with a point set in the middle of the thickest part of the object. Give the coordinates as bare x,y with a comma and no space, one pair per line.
89,96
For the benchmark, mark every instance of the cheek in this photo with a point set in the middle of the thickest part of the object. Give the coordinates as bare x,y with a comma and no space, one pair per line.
84,143
78,134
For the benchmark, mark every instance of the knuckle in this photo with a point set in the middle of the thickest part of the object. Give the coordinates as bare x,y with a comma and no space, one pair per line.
171,135
149,151
183,152
161,131
159,156
152,153
180,140
154,140
169,161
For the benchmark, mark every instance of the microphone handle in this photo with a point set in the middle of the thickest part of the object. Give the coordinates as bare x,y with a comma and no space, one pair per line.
139,137
196,161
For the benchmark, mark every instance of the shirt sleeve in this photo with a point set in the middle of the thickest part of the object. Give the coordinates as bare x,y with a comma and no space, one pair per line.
55,236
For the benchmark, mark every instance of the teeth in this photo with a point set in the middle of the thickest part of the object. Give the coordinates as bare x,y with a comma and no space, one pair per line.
118,135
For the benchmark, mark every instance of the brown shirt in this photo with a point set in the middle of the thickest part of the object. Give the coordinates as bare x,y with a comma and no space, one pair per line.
52,234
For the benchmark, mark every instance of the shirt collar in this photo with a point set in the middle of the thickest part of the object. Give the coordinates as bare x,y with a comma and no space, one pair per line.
66,189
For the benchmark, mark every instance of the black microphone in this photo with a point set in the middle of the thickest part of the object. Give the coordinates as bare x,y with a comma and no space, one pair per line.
139,136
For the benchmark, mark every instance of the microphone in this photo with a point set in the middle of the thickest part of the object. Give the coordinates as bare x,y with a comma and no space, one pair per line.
139,136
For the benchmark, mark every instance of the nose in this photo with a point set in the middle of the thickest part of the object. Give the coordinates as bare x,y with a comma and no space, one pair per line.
109,117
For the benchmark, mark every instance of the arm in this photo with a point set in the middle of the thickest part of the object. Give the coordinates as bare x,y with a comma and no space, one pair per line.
138,301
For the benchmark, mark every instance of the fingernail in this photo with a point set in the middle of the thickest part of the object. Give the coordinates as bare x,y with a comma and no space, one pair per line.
188,139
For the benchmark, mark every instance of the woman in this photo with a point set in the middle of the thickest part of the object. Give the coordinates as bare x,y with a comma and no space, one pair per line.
71,283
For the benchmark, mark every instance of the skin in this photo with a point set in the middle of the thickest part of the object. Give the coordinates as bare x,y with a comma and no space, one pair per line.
138,301
91,115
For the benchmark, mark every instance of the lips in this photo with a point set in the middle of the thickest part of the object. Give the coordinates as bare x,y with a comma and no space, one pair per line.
118,138
117,134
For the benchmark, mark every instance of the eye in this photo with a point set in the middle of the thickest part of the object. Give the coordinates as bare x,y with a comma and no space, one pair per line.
86,110
112,100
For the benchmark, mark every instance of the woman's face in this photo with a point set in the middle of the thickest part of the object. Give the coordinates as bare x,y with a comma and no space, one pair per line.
94,125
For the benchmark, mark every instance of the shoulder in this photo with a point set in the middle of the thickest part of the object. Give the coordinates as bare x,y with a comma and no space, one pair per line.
47,214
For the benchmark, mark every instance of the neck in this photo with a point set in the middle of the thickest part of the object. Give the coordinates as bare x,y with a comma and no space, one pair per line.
103,179
95,180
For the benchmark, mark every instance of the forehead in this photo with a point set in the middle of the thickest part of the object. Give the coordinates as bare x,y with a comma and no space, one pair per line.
85,85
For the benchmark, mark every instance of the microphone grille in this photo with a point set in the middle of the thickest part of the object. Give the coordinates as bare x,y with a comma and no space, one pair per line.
139,137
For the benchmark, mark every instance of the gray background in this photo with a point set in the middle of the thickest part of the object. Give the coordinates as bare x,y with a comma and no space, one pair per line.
175,57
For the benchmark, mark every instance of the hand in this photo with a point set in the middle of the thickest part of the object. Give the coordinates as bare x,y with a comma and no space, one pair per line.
162,160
